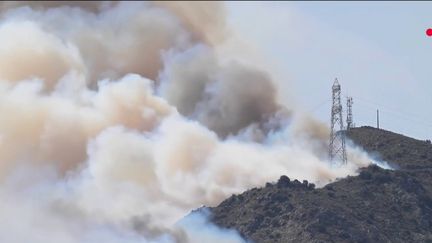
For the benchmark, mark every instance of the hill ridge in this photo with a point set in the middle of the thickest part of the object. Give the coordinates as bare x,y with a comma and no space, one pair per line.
377,205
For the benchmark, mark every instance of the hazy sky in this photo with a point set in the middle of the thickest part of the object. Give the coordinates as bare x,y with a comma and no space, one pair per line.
378,50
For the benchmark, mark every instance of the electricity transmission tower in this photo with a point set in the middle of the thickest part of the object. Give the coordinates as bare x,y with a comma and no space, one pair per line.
337,151
349,119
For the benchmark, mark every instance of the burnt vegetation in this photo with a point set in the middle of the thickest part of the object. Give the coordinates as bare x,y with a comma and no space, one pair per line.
376,206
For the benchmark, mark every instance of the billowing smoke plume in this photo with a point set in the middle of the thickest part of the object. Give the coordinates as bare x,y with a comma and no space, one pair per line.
119,118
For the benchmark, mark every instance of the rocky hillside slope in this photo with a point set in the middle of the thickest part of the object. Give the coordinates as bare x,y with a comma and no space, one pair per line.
376,206
405,152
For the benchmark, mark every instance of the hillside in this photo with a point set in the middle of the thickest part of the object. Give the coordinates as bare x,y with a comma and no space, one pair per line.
376,206
405,152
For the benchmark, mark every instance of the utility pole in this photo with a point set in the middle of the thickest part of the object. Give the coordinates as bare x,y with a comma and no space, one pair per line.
377,118
349,119
337,149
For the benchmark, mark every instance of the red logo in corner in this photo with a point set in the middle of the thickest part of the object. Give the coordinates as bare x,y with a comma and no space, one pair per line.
429,32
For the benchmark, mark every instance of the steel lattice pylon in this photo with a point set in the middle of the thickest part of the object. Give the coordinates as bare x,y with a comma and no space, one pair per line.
337,151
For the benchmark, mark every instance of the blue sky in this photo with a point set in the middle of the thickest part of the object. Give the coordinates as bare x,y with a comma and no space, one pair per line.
378,50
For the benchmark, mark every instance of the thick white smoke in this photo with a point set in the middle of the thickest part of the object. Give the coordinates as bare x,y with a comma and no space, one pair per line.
119,118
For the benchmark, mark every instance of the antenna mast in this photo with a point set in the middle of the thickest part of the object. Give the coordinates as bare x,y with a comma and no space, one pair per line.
337,149
349,119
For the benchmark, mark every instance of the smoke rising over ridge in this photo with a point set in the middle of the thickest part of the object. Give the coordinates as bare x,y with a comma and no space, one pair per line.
119,118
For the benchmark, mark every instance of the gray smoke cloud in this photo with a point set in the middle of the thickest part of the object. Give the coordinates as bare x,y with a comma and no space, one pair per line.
224,98
119,118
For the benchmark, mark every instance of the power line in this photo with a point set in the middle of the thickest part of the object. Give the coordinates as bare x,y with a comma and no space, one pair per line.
319,105
384,109
399,114
426,127
394,111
